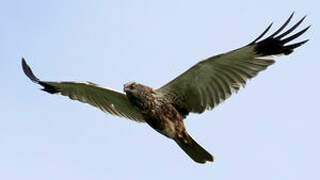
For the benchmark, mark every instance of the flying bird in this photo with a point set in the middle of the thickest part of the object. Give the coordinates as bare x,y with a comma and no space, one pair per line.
200,88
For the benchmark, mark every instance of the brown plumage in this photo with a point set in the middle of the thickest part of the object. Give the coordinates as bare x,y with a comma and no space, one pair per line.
161,115
202,87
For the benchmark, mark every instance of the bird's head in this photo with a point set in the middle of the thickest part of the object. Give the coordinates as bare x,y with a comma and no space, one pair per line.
136,89
133,88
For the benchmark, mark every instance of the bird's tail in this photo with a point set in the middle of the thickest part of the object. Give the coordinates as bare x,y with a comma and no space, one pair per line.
193,149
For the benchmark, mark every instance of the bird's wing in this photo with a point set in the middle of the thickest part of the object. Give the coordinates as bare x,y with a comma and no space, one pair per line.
108,100
213,80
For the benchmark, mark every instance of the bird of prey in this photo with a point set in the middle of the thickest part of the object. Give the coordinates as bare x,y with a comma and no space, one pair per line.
200,88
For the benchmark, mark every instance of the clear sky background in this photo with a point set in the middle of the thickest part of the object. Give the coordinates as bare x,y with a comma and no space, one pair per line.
269,130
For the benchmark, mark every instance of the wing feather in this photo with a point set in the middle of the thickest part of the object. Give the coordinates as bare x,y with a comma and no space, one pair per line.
108,100
211,81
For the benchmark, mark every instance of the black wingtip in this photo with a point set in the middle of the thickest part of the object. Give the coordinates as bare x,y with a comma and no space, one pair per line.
282,27
261,35
295,45
275,44
46,86
291,29
28,72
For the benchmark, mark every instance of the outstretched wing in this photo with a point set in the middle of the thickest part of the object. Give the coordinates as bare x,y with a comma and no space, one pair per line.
108,100
213,80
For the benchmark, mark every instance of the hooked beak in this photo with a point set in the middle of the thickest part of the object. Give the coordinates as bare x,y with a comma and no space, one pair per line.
125,88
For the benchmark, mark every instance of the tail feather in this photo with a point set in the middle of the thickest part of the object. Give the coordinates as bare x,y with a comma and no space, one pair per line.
194,150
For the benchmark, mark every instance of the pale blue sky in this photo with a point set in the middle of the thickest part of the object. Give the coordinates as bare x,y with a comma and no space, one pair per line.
269,130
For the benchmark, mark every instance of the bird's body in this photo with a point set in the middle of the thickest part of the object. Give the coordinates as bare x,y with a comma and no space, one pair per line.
202,87
162,116
157,112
